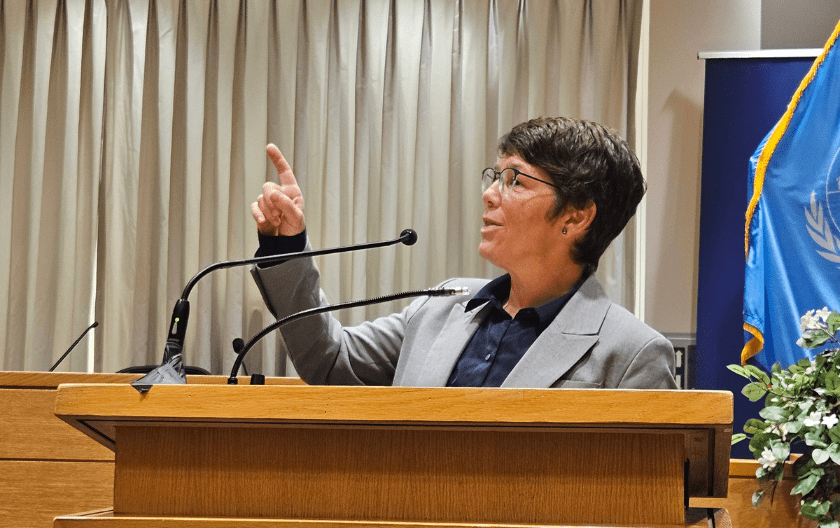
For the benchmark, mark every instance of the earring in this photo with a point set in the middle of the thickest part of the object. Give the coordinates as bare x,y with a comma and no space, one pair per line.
564,230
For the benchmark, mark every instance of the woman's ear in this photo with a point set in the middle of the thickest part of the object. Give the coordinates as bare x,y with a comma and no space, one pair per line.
577,221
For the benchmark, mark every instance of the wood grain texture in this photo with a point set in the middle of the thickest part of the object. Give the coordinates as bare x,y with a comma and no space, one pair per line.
34,492
51,380
48,467
704,417
694,519
781,512
31,431
522,477
399,405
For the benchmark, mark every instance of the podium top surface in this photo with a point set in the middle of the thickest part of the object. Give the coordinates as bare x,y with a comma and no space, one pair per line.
394,405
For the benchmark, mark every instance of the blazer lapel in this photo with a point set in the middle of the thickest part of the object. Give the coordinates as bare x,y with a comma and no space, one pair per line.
450,342
572,333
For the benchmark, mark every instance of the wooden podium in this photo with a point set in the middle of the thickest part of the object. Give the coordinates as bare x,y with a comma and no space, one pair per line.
48,468
208,456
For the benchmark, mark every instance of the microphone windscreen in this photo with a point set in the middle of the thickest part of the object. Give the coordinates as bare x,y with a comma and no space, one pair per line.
409,237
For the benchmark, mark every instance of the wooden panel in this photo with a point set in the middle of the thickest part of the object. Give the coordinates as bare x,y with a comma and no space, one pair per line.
48,467
782,512
97,410
36,492
694,519
488,476
51,380
400,404
30,430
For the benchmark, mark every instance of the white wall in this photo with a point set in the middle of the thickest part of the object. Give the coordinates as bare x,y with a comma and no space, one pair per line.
789,24
679,29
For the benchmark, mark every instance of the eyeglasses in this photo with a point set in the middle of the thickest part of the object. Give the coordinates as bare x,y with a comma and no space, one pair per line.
508,179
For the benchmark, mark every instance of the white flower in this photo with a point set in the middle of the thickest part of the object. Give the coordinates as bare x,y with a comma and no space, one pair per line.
820,391
813,419
830,421
823,314
767,459
808,321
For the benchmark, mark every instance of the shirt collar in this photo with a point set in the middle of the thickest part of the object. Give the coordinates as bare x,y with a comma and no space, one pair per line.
497,291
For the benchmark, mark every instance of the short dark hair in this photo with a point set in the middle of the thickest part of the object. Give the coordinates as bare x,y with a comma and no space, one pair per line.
589,163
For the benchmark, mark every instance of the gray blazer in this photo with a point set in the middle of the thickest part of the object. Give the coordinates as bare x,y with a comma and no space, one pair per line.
592,343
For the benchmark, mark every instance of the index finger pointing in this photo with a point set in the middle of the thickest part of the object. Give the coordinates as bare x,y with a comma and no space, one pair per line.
284,171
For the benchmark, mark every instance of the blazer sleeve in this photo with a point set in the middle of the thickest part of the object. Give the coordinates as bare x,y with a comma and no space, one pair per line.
321,349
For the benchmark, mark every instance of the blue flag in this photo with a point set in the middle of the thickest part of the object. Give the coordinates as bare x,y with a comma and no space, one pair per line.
792,233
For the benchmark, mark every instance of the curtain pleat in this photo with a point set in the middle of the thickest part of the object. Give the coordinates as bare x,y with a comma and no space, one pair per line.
132,138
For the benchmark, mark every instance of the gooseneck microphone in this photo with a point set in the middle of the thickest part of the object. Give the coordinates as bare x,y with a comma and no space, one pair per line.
180,314
76,342
241,349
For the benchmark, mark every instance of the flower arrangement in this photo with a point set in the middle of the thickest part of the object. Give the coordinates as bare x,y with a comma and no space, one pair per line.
801,407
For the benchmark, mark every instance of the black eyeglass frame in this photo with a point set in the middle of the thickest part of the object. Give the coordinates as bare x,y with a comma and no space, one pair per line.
516,174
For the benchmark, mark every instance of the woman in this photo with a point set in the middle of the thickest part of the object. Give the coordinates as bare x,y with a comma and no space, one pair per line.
561,191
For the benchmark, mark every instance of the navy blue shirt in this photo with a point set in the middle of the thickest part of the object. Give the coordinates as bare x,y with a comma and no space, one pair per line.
501,340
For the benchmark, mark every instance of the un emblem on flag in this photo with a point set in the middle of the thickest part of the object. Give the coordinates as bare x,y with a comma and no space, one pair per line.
819,227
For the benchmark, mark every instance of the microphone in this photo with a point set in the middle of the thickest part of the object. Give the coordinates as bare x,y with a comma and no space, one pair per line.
181,313
76,342
241,350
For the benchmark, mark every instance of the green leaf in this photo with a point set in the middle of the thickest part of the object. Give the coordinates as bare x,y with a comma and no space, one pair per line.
834,434
817,339
757,373
831,380
816,471
829,524
814,509
823,507
780,450
757,497
808,509
793,427
739,370
804,363
776,368
759,441
805,486
833,322
815,440
819,455
834,452
754,425
755,390
738,437
773,414
819,362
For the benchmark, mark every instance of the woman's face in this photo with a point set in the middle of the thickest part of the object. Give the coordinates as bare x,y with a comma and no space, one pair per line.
517,232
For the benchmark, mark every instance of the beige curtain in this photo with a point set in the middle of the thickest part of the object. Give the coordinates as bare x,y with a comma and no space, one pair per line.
132,136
